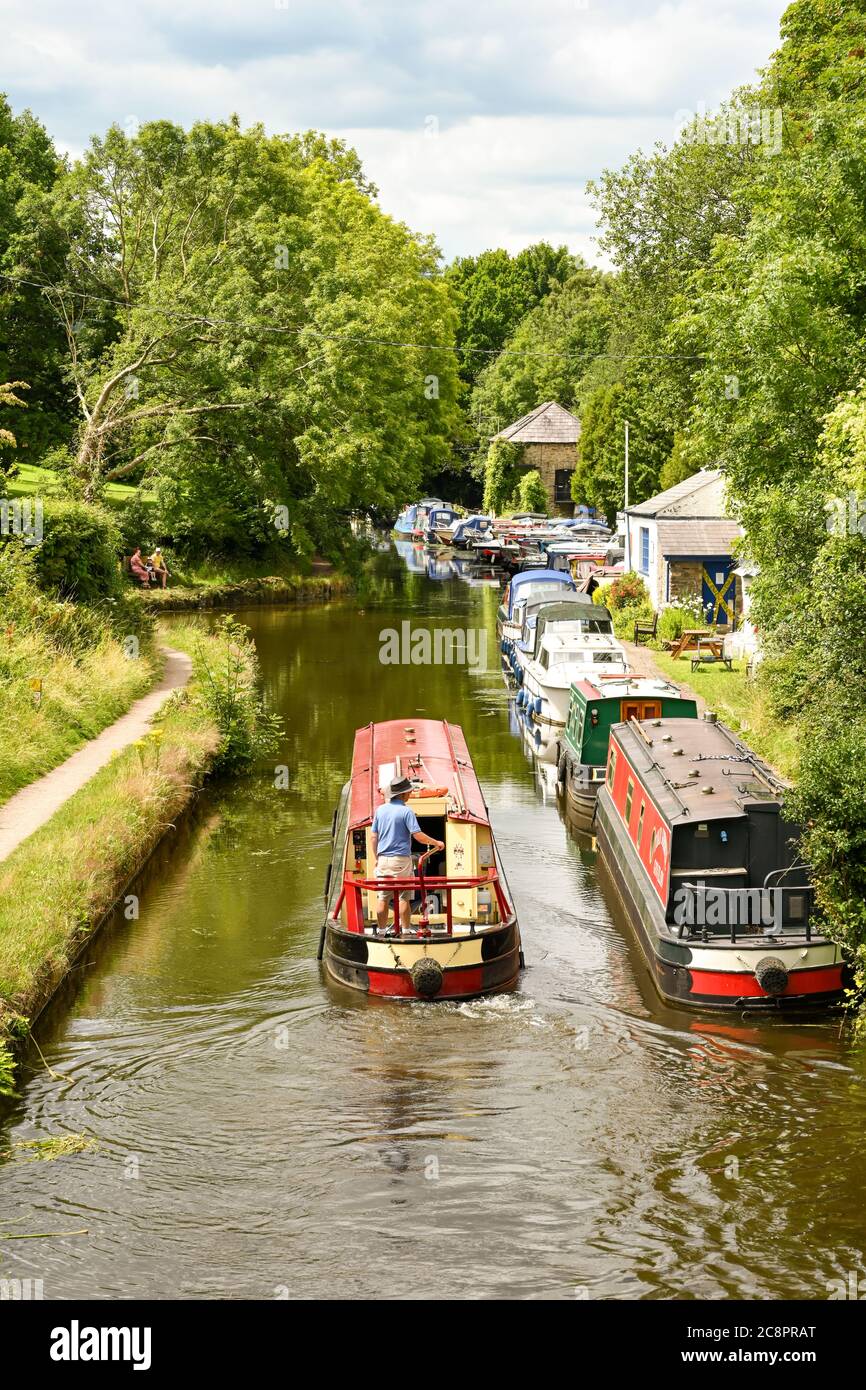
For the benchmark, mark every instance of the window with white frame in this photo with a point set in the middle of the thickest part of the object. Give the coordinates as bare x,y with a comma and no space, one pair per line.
644,550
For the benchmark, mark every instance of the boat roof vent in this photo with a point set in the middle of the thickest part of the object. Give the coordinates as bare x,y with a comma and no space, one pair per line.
707,791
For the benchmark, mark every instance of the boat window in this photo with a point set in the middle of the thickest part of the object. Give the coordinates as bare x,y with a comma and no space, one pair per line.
640,823
629,797
544,658
611,765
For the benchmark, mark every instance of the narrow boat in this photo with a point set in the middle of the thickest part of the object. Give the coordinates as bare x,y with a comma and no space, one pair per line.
691,828
524,586
595,706
464,940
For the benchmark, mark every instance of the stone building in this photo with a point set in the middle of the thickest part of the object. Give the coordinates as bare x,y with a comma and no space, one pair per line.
681,543
548,436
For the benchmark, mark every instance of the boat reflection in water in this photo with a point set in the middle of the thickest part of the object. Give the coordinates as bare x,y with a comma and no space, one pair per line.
412,555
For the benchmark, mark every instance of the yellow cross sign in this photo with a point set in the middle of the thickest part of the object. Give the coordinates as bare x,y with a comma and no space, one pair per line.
719,600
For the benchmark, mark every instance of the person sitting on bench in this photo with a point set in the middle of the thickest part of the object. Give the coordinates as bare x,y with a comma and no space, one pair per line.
139,569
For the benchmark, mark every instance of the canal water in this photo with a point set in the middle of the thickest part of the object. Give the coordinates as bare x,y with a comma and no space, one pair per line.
258,1135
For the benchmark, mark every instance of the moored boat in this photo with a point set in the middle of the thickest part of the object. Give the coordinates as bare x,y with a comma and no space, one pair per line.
413,517
691,827
463,938
595,706
529,584
571,643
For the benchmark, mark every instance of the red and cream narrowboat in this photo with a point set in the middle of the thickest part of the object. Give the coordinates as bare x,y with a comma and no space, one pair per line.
691,827
464,939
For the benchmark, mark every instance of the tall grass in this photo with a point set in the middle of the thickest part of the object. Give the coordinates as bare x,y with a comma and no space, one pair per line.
81,657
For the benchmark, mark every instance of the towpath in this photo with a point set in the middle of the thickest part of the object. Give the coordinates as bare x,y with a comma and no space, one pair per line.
30,808
642,663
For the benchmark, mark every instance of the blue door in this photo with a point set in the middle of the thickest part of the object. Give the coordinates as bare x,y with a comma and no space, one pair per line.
717,591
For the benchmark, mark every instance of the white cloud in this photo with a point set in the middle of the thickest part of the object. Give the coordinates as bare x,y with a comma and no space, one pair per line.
530,100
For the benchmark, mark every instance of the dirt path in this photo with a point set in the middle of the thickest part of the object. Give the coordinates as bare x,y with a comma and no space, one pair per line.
30,808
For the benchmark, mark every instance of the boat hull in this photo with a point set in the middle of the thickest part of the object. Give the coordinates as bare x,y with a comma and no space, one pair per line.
711,976
471,966
581,790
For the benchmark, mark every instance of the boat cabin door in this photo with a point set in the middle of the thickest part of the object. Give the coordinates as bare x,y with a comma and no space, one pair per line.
640,709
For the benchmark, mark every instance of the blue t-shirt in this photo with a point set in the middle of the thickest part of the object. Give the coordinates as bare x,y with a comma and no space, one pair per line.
394,823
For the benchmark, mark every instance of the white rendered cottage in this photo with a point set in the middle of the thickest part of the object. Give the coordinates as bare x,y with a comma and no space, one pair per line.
681,544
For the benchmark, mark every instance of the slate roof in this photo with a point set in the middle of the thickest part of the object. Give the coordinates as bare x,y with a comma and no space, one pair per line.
701,495
549,423
692,536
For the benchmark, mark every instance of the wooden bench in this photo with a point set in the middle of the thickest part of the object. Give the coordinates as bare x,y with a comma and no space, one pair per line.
644,629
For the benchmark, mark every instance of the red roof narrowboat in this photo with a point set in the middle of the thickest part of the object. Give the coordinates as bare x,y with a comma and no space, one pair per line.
691,826
463,939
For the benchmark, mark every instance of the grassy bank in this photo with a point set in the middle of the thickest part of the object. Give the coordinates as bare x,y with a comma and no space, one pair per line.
81,695
740,702
65,671
251,592
57,888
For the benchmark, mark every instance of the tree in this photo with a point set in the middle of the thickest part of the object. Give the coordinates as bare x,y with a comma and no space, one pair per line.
547,355
680,464
240,322
494,291
31,340
7,438
531,493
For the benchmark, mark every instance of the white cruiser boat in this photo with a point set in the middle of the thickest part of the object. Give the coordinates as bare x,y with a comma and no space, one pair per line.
567,648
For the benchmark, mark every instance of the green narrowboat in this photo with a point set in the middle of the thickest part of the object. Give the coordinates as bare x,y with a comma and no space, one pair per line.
594,707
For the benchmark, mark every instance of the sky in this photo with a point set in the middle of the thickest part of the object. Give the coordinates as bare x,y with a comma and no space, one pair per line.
479,122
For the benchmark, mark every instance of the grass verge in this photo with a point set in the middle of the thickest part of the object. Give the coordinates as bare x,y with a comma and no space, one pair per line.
59,885
32,481
250,592
82,693
741,703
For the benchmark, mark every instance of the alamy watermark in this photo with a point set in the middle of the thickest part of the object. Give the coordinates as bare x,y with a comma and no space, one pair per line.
21,1290
846,516
761,126
22,517
441,646
705,906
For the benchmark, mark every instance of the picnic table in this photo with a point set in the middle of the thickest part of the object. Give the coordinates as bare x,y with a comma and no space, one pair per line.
690,640
710,649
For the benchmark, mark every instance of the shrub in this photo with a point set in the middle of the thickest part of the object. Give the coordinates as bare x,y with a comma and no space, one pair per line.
531,493
501,475
830,803
624,619
628,591
77,558
136,524
226,667
673,621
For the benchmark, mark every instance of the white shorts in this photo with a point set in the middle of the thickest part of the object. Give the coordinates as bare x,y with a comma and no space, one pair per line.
394,866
